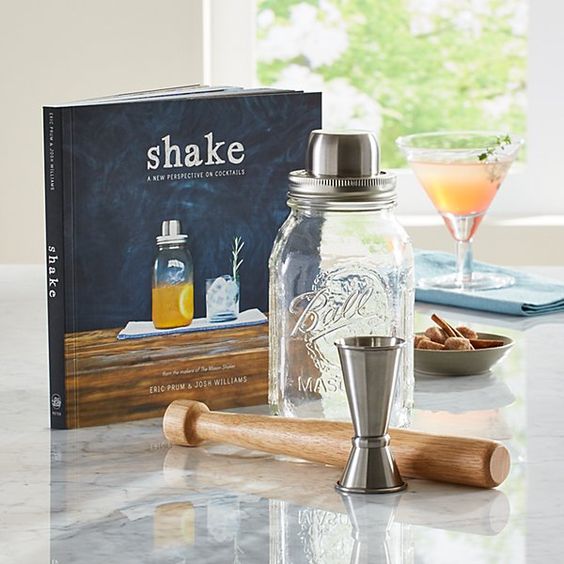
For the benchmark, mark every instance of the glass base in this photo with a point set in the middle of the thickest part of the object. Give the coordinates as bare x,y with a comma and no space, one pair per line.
479,281
222,316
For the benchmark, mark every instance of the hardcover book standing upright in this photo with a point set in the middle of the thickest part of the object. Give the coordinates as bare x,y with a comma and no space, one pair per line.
161,211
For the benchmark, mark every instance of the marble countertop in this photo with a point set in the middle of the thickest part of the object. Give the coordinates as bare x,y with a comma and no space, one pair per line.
120,494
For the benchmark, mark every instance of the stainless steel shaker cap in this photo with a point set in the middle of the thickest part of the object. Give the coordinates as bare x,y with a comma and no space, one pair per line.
171,233
343,167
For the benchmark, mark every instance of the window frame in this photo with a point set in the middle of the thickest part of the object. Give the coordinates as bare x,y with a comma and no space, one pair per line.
528,189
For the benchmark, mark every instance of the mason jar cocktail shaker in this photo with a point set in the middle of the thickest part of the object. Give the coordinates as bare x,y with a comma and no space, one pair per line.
341,266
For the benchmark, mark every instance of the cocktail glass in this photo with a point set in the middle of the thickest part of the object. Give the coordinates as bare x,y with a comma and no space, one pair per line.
222,299
461,171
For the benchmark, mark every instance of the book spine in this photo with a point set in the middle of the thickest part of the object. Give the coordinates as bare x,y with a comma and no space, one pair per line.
54,206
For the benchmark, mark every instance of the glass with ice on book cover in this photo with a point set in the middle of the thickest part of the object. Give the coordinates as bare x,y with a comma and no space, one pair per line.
161,210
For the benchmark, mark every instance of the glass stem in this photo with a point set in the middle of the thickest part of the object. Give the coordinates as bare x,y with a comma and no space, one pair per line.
464,263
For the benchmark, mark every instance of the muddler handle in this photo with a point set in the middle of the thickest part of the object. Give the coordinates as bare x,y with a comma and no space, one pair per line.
459,460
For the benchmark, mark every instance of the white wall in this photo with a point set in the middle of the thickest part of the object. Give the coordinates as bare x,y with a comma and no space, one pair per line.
62,50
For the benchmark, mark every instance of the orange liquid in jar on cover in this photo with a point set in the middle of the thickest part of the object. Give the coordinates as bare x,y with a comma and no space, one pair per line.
461,188
173,305
173,279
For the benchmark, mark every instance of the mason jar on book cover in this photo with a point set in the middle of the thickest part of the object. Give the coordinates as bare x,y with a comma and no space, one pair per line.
341,265
173,279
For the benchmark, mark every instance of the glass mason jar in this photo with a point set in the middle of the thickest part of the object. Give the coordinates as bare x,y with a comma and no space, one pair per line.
341,265
173,279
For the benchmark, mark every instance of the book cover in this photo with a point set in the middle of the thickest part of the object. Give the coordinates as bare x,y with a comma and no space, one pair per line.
161,211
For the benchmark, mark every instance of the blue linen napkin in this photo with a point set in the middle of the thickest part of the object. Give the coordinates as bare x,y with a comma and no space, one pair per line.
530,295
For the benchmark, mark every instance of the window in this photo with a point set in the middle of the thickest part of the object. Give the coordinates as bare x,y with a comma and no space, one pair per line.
398,66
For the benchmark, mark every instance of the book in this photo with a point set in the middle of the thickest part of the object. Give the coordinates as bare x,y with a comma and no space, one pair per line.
161,210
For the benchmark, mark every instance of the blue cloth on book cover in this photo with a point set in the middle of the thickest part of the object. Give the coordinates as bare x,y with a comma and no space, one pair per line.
140,329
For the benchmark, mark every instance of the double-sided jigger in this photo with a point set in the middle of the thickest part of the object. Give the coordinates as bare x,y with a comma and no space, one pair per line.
370,366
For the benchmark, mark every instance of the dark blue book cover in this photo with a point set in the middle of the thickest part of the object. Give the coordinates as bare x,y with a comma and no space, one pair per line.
214,171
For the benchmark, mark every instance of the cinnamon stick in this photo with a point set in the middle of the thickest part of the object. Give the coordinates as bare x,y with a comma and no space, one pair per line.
447,328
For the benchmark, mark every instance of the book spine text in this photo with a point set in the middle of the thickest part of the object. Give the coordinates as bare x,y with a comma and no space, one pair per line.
52,118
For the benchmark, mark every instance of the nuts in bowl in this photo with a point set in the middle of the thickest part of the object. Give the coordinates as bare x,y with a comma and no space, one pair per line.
458,351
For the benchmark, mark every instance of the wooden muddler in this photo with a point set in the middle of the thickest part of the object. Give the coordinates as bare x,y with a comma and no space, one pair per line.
459,460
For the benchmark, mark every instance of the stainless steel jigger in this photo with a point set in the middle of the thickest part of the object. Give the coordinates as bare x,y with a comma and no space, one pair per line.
370,366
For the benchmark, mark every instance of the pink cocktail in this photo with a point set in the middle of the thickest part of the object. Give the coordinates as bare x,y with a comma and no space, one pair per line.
461,173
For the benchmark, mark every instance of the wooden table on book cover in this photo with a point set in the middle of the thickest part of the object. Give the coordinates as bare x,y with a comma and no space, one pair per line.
110,380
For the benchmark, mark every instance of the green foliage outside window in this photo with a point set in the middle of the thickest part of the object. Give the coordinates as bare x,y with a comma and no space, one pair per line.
400,66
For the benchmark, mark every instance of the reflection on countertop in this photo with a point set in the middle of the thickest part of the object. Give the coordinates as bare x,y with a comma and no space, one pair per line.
462,393
211,504
120,493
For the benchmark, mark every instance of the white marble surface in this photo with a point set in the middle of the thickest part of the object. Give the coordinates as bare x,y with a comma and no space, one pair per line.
120,494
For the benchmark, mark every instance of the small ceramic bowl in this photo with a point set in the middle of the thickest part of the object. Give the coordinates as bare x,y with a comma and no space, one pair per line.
462,363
